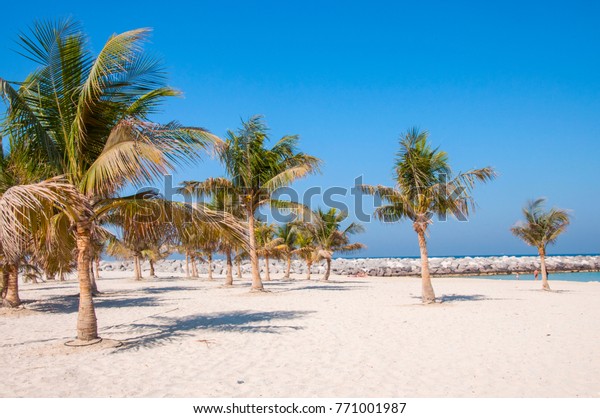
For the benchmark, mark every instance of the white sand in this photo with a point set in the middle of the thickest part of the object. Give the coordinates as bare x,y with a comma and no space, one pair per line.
352,337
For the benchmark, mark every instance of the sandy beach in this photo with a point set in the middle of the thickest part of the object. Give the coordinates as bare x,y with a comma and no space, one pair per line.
350,337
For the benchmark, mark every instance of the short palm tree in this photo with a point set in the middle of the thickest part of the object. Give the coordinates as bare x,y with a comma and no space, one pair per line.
268,245
329,237
306,250
223,200
425,187
88,117
288,234
255,172
541,228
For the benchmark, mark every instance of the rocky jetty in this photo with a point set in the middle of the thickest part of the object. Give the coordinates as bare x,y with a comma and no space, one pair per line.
392,267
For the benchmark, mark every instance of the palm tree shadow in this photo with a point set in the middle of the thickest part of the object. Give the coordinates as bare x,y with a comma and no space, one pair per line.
459,298
172,328
70,304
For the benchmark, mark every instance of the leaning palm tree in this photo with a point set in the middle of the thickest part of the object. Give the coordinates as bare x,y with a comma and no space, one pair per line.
329,237
255,172
88,117
425,187
541,228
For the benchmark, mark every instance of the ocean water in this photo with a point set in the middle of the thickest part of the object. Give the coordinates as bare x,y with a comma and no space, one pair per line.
569,277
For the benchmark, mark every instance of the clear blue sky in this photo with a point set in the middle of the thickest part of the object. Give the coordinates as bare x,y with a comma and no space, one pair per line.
509,84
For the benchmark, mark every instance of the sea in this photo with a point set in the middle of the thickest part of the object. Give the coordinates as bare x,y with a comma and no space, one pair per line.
593,276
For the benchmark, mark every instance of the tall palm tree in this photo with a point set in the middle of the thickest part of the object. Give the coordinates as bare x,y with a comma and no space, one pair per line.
288,234
255,172
425,187
88,117
541,228
329,237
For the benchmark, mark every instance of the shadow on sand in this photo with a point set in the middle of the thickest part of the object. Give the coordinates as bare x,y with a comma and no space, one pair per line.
171,328
70,304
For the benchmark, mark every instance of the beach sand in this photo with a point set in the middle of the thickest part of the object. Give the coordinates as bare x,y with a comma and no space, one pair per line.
351,337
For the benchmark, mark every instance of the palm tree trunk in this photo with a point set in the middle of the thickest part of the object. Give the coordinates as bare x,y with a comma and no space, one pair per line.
4,284
428,295
229,275
87,325
257,284
194,267
137,268
288,268
97,261
308,266
267,273
239,268
545,284
93,280
328,270
210,266
152,272
12,299
187,264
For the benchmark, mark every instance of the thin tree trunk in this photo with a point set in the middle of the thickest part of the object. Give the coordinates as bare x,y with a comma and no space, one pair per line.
328,270
288,268
545,284
239,268
210,266
12,299
136,267
187,264
87,325
267,273
309,266
152,272
194,267
93,280
257,284
428,295
229,272
97,261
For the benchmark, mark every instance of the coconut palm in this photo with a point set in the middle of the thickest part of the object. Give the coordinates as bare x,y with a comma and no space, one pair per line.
268,245
88,117
223,200
329,237
425,187
287,233
255,172
541,228
306,250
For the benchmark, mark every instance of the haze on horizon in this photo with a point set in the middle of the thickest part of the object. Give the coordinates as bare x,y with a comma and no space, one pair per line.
509,85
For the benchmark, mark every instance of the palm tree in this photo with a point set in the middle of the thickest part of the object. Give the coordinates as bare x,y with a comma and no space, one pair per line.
328,237
425,187
306,250
88,117
224,200
255,172
541,228
287,233
267,244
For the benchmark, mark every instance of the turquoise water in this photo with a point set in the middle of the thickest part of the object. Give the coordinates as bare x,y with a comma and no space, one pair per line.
569,277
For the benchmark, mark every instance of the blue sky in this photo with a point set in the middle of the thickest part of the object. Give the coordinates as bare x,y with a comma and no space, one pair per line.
511,85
